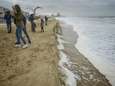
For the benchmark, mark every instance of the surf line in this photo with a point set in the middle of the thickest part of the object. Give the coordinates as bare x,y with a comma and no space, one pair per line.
70,79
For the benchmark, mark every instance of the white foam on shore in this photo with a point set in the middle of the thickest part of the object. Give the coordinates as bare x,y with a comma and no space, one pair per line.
71,78
60,41
102,64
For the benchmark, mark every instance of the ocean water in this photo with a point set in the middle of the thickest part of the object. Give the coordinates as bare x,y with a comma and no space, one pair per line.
96,40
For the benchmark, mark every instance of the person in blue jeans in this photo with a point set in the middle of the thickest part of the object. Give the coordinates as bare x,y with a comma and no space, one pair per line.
19,35
18,16
8,19
24,29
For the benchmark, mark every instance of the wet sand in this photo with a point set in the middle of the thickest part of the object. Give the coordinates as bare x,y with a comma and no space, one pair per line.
79,64
36,65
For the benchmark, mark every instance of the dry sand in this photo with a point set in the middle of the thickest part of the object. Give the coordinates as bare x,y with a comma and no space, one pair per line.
36,65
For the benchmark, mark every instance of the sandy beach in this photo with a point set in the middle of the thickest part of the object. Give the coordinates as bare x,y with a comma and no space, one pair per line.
76,49
36,65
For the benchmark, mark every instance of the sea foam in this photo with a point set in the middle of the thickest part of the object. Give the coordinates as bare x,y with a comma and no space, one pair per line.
71,78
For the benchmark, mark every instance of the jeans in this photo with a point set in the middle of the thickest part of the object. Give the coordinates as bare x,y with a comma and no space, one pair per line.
19,35
26,34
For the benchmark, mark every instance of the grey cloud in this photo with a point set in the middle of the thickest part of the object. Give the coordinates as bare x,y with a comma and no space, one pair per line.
80,6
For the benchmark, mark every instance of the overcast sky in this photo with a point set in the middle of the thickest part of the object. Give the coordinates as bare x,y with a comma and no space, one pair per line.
77,7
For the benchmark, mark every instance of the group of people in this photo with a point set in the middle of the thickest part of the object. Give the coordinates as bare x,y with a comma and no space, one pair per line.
20,23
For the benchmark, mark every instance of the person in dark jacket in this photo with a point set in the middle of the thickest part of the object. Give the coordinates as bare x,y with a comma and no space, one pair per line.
33,25
46,20
24,29
42,25
8,19
18,20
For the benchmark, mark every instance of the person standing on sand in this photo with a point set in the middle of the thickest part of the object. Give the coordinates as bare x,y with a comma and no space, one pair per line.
46,20
24,29
8,18
33,25
18,16
42,25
